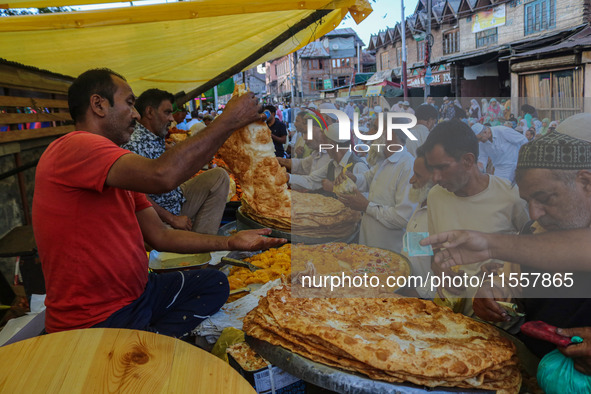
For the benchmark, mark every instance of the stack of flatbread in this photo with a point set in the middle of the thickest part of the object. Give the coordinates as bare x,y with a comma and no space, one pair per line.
393,339
250,155
318,216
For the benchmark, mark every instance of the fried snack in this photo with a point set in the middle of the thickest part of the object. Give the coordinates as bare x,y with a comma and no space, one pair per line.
393,339
274,263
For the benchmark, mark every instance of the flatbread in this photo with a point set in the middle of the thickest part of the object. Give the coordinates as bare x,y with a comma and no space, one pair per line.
393,339
250,155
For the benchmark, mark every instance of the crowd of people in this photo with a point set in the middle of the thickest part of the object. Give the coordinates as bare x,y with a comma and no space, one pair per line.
480,170
469,177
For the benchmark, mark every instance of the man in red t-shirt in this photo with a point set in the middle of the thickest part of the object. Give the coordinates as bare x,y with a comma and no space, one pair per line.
91,217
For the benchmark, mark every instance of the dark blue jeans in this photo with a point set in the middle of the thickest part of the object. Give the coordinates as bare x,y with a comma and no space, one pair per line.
173,303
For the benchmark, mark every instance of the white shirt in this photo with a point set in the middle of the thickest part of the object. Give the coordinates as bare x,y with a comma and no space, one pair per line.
359,168
420,265
503,151
309,172
389,208
192,122
421,132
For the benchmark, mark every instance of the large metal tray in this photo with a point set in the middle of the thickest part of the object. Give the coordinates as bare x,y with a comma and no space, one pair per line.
243,222
338,380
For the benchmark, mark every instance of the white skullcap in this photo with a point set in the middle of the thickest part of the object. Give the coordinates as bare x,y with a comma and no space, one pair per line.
577,126
332,133
477,128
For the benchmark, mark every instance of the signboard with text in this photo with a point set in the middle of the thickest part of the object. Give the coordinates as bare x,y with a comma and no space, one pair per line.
488,19
441,78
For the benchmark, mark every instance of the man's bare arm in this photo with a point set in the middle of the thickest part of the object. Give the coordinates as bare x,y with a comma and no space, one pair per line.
552,251
176,165
165,239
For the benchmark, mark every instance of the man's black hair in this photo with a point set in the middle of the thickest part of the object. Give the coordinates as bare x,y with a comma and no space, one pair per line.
420,152
426,112
271,108
455,137
96,81
152,98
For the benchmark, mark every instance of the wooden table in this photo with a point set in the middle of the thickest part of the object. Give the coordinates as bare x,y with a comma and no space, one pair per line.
107,360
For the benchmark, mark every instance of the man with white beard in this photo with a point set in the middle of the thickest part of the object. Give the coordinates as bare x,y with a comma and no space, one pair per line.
421,184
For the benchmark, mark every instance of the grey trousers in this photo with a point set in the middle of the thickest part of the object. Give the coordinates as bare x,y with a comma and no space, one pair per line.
206,196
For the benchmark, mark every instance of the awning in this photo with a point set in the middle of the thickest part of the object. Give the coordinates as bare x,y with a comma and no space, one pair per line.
379,77
177,46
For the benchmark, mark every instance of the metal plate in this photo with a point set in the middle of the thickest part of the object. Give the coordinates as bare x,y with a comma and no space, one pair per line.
243,222
228,229
338,380
178,262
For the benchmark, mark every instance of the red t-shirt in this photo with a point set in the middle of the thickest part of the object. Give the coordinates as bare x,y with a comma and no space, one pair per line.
89,240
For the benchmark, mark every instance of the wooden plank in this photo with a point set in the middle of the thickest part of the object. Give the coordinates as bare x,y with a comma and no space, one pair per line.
13,101
21,135
19,78
34,117
10,148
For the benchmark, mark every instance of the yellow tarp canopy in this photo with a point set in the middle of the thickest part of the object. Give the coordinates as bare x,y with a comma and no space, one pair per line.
172,46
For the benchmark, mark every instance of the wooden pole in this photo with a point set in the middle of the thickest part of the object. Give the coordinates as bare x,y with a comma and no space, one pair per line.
238,67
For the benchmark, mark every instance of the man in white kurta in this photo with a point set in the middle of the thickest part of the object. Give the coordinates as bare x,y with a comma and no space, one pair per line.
308,173
501,144
426,119
387,208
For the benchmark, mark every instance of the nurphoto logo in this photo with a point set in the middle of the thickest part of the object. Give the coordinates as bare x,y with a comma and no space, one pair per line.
393,121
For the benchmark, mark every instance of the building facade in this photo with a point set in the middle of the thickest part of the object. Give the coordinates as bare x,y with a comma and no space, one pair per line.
532,51
326,64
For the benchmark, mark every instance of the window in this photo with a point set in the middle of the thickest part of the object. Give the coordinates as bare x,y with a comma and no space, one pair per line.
486,37
556,95
385,61
540,15
398,57
451,42
315,64
421,50
316,84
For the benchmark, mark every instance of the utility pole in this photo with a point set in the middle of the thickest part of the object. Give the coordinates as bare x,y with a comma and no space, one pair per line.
215,97
404,87
291,78
358,58
428,43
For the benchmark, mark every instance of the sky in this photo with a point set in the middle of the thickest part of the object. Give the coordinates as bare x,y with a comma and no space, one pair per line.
386,13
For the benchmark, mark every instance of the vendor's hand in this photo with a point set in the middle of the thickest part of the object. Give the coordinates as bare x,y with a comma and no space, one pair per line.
343,177
327,185
485,304
242,110
168,145
283,162
580,352
460,247
299,151
252,240
181,222
355,201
